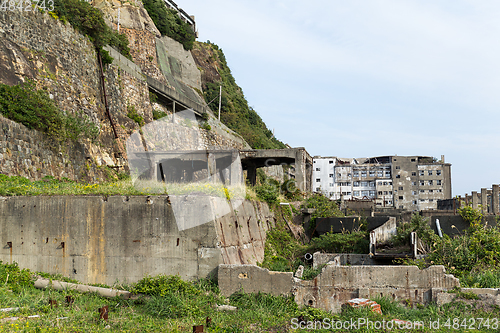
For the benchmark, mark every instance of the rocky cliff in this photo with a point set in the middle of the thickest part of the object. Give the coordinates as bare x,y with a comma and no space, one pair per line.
40,47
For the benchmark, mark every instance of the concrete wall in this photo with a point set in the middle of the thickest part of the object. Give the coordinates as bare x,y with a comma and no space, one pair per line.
103,240
337,284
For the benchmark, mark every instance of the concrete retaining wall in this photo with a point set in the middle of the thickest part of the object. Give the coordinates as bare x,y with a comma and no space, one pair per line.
103,240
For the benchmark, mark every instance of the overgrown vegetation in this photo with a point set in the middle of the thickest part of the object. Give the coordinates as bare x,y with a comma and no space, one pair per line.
136,117
89,20
173,305
473,256
168,22
34,109
235,112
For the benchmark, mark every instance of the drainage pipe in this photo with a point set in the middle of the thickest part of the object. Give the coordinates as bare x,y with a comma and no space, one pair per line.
61,286
438,227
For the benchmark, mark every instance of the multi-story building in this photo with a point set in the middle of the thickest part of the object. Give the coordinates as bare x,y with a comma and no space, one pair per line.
404,182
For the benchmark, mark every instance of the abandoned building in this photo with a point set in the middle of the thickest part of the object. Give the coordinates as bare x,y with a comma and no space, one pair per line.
402,182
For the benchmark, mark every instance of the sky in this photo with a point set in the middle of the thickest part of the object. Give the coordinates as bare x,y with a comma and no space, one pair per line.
369,78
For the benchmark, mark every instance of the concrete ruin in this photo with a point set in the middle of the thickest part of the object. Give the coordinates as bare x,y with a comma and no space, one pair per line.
488,199
338,284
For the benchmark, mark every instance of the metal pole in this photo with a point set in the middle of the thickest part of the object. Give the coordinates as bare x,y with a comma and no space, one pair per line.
220,100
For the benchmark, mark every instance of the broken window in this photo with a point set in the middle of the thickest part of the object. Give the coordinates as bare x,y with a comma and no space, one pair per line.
356,174
331,175
331,162
379,192
430,172
400,197
430,182
386,193
318,169
422,183
438,182
414,192
413,173
414,202
421,172
413,159
398,176
372,173
318,180
400,188
438,172
422,191
387,174
372,184
380,174
398,167
355,184
431,191
414,183
363,173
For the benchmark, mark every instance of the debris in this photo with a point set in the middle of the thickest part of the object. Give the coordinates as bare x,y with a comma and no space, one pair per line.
4,320
226,308
103,312
299,272
9,309
364,302
198,329
53,303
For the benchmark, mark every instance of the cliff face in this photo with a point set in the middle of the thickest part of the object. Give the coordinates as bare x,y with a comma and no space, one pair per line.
35,46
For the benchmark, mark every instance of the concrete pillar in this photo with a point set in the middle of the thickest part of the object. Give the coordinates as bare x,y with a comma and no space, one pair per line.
495,199
212,167
236,169
474,200
300,170
484,201
466,199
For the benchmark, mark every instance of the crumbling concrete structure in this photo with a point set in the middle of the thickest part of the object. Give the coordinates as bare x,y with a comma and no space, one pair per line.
338,284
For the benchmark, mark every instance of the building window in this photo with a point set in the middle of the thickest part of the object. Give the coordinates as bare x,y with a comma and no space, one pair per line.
414,202
398,176
422,200
318,169
356,193
379,192
380,174
317,189
414,183
439,191
331,184
365,193
339,175
364,184
390,183
318,180
413,174
386,193
331,175
431,191
372,184
400,197
422,183
355,184
372,193
438,182
331,162
387,174
413,159
421,172
431,200
356,173
372,173
430,172
390,192
363,173
422,191
430,182
398,167
438,172
414,192
400,188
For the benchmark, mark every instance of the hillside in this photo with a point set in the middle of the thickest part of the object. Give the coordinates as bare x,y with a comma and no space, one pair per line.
74,120
235,112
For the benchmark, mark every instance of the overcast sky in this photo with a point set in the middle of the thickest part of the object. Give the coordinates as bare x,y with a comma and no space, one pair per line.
369,78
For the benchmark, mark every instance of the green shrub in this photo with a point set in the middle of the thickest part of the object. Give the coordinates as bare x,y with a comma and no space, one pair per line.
132,114
15,278
268,192
348,242
419,225
169,23
159,114
162,285
90,21
34,109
